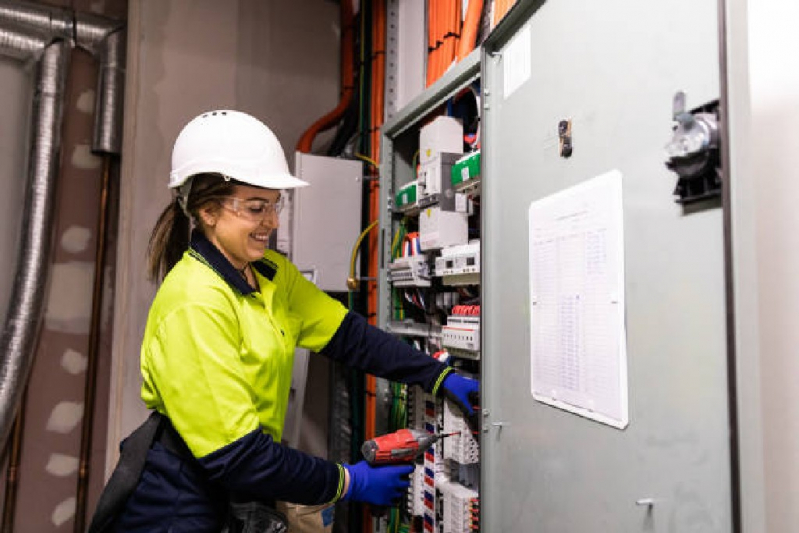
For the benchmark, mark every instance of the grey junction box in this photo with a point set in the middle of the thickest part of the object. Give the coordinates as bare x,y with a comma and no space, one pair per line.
325,218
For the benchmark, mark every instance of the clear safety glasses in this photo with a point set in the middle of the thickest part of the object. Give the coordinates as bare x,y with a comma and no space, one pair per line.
254,209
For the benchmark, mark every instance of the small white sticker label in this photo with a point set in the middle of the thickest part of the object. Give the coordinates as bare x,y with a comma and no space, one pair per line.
516,62
461,203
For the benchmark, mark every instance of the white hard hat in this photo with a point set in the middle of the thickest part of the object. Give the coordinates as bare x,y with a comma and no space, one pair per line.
235,145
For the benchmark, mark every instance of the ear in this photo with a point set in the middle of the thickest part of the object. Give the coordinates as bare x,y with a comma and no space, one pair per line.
208,216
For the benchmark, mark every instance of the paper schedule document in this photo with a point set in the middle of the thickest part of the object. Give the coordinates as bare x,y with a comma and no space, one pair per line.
577,332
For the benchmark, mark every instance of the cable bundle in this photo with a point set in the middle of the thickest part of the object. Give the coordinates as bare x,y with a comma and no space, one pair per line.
450,37
411,245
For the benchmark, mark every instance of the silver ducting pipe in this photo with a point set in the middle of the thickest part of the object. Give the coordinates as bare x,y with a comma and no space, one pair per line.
92,31
85,31
21,329
110,93
103,38
21,44
25,31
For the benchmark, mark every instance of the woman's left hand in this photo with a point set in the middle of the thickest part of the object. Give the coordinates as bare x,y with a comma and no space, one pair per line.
465,393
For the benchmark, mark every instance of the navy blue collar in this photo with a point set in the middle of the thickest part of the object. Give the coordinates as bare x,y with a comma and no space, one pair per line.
211,255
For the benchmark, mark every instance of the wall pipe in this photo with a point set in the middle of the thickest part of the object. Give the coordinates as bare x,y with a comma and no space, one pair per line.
103,38
25,31
12,473
94,344
21,44
305,143
21,328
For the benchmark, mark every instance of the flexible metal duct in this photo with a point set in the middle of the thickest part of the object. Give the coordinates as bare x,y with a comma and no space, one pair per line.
85,30
25,31
21,44
103,38
24,311
110,95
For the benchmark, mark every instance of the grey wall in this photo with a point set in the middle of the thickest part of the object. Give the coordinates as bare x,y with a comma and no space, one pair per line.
764,96
277,60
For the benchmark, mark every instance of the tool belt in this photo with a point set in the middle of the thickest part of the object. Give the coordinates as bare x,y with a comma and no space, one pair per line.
242,517
254,517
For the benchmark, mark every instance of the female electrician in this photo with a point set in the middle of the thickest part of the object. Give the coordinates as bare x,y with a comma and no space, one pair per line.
217,352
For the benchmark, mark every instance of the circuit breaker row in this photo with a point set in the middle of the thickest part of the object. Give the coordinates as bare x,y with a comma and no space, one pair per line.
434,275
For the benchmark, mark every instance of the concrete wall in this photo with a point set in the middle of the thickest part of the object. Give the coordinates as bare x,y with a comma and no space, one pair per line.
764,96
277,60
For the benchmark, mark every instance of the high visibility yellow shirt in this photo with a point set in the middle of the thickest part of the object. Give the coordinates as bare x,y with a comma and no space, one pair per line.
217,355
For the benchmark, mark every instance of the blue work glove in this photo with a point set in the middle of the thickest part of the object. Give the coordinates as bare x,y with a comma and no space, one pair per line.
378,485
465,392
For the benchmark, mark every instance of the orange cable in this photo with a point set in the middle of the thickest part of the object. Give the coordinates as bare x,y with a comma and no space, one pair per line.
347,81
468,38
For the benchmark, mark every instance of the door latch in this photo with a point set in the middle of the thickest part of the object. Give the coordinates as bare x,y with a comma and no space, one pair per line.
694,151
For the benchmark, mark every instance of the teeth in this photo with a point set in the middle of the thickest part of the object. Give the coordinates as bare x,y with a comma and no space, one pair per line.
261,237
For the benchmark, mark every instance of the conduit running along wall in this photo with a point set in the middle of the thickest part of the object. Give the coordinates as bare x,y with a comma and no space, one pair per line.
25,31
25,305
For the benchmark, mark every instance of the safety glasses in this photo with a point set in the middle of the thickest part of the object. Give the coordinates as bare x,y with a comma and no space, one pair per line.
253,209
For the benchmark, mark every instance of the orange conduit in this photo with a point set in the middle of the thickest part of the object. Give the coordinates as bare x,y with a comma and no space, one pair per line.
501,8
471,24
445,42
376,121
347,81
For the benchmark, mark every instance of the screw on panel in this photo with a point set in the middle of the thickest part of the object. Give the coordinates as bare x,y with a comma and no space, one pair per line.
647,502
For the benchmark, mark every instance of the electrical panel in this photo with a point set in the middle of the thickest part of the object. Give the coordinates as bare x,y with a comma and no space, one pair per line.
432,273
336,183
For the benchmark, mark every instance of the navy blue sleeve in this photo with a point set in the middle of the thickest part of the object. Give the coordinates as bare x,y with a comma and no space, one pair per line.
255,467
359,344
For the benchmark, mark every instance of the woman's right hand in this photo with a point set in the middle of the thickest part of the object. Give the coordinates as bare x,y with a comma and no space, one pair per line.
378,485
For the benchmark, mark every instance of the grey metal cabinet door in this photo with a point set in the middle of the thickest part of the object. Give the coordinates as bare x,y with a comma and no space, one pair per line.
612,67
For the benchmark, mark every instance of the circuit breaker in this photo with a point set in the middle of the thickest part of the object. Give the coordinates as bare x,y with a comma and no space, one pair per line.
433,277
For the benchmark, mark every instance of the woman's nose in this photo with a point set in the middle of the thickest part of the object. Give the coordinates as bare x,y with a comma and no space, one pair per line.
271,220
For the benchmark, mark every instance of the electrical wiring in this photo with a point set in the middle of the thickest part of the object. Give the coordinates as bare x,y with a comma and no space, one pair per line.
351,279
376,106
399,237
368,160
471,24
305,142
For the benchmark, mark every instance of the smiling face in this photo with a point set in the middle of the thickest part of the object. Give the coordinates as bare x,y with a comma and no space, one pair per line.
241,224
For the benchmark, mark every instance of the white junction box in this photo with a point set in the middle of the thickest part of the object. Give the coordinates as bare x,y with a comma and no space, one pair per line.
439,228
444,134
324,219
459,265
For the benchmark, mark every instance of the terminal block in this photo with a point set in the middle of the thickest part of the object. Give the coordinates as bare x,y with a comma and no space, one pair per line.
460,508
416,493
461,446
409,328
459,265
461,335
411,271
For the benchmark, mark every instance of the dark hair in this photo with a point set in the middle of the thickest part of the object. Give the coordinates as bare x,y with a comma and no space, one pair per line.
170,236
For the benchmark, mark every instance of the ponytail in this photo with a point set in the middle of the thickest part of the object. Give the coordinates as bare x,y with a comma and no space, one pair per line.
170,236
168,241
